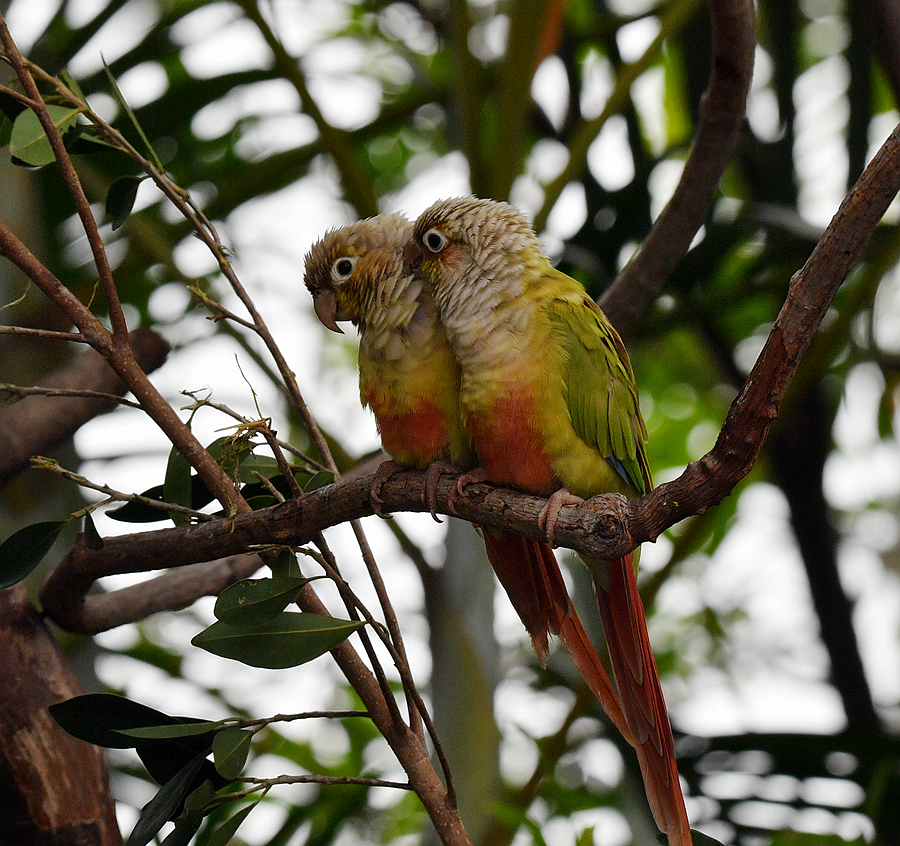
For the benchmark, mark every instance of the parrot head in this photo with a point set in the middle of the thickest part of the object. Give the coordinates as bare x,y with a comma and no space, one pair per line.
461,237
347,269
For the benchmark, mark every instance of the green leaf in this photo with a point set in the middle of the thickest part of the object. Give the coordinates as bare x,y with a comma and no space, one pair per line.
171,730
224,834
72,84
164,758
102,718
230,452
117,94
166,804
92,537
177,487
265,465
29,143
319,480
186,826
258,503
84,139
287,641
285,566
586,837
120,199
22,551
138,512
202,798
230,749
252,602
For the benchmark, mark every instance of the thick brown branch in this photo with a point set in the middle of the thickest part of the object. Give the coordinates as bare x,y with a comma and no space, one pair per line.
55,788
812,289
721,115
36,424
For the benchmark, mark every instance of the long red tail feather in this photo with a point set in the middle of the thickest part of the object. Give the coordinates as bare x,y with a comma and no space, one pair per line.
634,668
530,575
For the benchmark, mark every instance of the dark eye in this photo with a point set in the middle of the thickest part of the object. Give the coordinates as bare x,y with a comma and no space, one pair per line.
434,240
343,267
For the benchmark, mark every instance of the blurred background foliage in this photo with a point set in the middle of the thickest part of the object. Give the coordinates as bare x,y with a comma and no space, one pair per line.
775,615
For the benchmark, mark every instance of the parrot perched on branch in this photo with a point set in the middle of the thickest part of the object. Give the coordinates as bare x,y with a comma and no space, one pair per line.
548,396
409,377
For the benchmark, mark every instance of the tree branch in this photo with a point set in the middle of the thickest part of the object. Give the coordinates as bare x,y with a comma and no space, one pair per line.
604,527
721,115
36,424
55,787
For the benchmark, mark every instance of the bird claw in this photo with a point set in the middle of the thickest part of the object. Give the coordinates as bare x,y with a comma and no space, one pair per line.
385,471
477,475
549,514
432,478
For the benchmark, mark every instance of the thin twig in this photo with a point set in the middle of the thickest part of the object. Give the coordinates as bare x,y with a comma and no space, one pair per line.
45,334
40,462
22,391
303,715
327,780
73,184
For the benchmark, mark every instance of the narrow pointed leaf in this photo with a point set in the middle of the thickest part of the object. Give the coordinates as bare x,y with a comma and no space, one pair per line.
28,142
186,826
91,536
287,641
164,806
101,718
285,566
123,103
120,199
22,551
224,834
72,84
164,758
171,730
230,750
138,512
177,484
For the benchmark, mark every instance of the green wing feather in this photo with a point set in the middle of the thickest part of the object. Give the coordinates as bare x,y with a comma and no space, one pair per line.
601,392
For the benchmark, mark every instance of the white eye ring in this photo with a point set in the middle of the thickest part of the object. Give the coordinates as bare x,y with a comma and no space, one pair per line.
343,268
434,240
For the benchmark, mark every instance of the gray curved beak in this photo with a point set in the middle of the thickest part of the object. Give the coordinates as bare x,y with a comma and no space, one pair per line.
325,306
412,255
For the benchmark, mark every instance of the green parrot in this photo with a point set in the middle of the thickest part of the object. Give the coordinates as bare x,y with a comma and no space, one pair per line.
548,397
409,377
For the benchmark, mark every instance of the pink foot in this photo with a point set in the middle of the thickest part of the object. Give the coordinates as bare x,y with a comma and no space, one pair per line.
550,512
479,474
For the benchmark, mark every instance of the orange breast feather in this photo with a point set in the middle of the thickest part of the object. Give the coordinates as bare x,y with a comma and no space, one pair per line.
414,436
510,447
